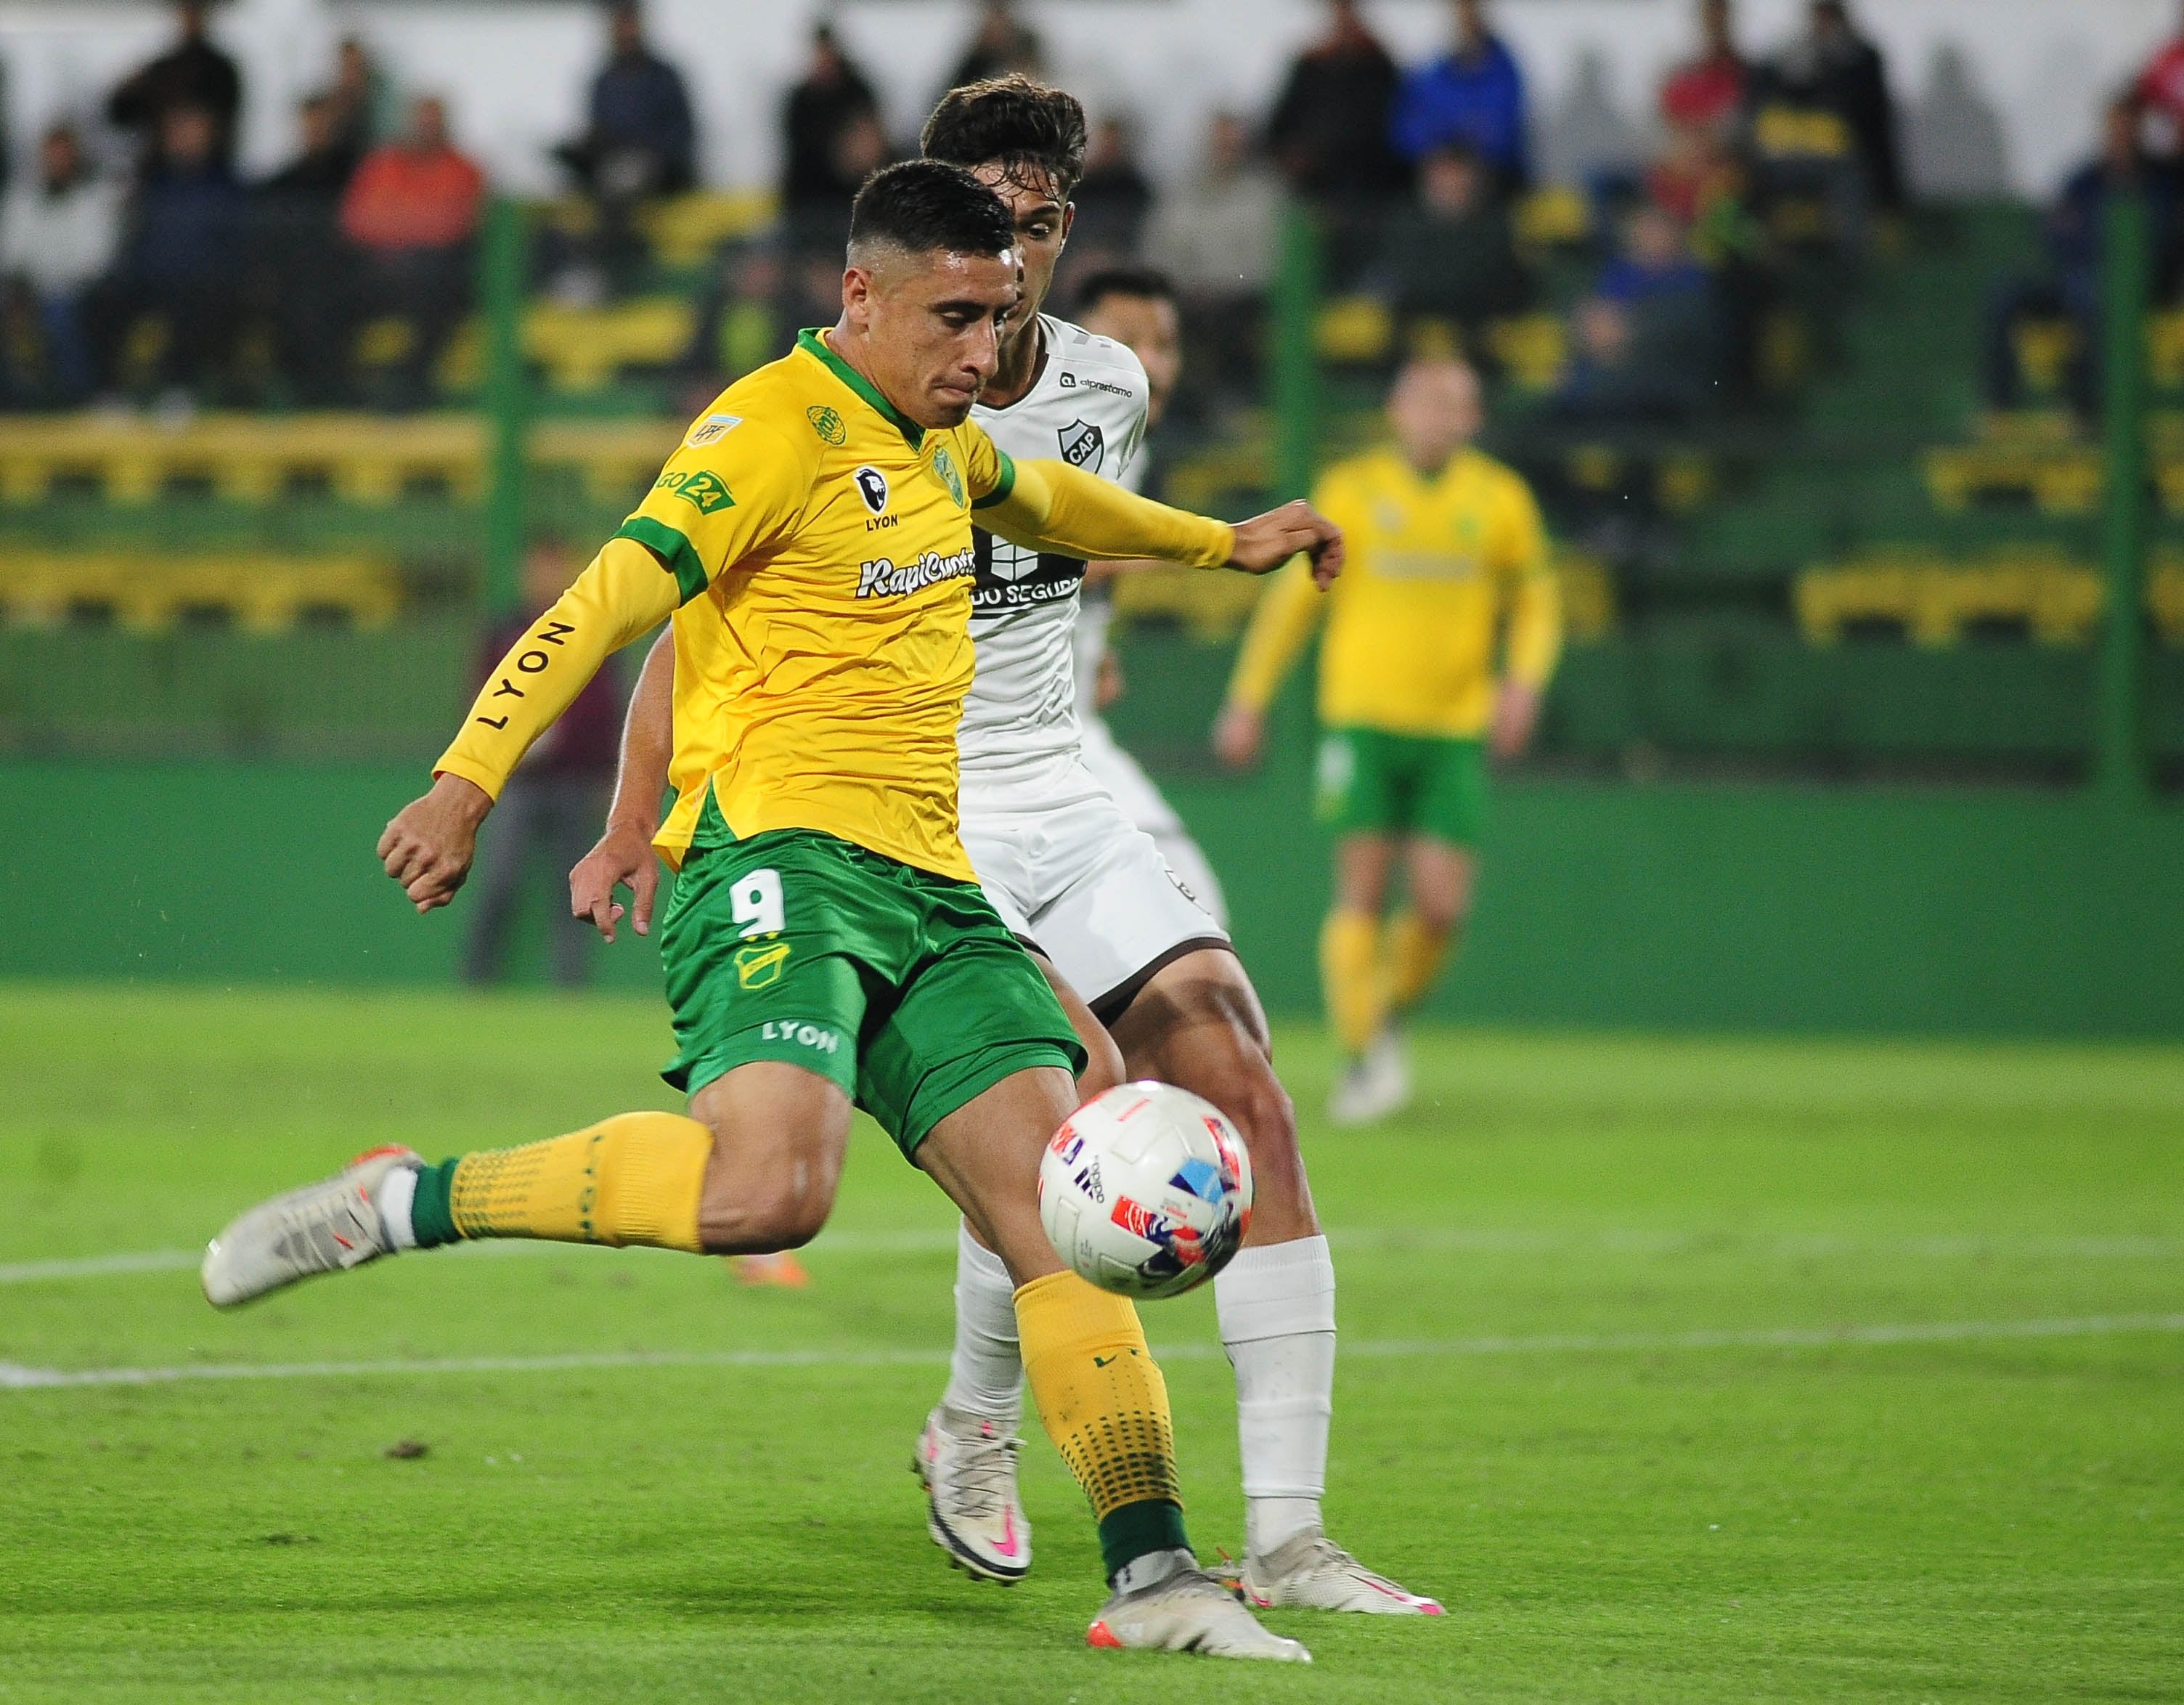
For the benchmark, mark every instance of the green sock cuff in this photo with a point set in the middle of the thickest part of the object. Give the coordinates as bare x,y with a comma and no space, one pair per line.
1135,1529
432,1212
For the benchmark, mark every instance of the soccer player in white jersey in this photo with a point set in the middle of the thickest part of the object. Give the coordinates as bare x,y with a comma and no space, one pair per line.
1135,306
1149,979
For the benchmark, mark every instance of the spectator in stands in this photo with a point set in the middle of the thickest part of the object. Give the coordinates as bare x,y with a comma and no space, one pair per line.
820,113
1707,93
1112,199
2158,93
1216,236
1832,68
178,265
551,809
194,74
1455,260
60,234
2070,291
411,211
1329,132
365,111
1003,43
1472,94
1648,338
641,139
300,278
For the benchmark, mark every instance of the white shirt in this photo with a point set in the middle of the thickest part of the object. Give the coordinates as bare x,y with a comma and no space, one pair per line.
60,242
1087,408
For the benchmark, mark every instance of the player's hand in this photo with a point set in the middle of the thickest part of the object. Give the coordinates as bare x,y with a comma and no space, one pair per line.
623,859
1240,735
1516,715
1266,542
429,845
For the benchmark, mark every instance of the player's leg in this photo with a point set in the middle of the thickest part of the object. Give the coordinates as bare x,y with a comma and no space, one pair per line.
963,1074
764,944
966,1455
1364,790
1440,866
1198,1023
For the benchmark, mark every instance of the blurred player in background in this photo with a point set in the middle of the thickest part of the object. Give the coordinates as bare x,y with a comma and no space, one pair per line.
1149,979
1442,635
1136,307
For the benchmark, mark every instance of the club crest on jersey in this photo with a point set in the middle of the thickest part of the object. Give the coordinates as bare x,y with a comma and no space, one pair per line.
827,423
1083,445
711,430
945,465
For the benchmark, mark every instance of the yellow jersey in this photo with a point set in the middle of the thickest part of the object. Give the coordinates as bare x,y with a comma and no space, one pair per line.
814,547
1439,574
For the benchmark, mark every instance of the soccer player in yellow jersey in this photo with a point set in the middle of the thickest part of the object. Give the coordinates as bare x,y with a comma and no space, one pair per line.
1442,636
826,938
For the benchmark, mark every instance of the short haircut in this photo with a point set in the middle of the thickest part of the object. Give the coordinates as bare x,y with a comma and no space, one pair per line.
927,207
1029,126
1145,283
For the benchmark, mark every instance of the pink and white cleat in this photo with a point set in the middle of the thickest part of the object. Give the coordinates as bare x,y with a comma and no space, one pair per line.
968,1467
1311,1572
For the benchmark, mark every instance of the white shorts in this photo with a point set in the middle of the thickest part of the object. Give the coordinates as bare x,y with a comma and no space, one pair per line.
1144,804
1074,877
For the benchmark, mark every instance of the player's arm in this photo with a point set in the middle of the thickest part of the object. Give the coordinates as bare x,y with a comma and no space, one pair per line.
709,509
1288,611
1051,506
428,847
1532,642
624,856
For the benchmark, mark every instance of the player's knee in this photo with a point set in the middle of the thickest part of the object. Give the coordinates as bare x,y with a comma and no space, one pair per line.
1103,1065
784,1213
1262,1109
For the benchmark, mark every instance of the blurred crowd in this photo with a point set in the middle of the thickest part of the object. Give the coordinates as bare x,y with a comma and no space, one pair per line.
137,262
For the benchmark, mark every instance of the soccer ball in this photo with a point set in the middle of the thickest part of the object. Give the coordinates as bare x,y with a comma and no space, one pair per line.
1146,1191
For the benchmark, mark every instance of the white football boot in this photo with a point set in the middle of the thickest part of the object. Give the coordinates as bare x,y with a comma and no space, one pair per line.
1189,1611
1373,1085
969,1472
1311,1572
327,1227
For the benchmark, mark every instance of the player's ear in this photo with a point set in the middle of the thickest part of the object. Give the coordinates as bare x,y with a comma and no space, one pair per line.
1068,221
858,290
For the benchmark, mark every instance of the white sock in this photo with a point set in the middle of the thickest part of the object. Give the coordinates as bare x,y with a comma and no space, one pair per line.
985,1374
397,1191
1275,1303
1152,1569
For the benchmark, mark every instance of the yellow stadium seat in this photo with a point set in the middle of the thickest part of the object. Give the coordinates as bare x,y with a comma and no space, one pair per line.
1588,594
1354,331
582,348
1211,606
150,593
1555,217
683,229
1531,348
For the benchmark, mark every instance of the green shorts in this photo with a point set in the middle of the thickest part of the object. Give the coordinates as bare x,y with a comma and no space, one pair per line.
903,987
1372,782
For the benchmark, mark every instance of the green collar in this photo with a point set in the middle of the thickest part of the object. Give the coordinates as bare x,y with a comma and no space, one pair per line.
812,340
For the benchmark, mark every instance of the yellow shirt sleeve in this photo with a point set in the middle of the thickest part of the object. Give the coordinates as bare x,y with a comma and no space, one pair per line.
714,505
1287,612
1049,506
1534,640
626,592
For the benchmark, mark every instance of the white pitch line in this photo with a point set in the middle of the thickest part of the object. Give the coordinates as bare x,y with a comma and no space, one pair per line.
16,1378
1462,1239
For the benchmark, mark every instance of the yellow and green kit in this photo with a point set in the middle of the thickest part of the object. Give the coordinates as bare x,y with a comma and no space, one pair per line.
1446,586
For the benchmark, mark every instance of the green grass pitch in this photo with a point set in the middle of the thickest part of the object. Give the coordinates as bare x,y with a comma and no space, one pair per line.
1680,1369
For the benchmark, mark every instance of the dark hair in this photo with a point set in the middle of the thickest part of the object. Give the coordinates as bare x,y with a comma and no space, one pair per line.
1025,124
1144,281
927,205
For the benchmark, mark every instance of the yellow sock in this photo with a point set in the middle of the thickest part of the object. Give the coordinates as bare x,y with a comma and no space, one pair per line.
1350,978
1105,1405
1415,955
637,1178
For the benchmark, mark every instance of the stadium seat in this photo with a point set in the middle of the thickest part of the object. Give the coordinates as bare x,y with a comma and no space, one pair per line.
1588,594
584,348
1530,349
148,592
1354,331
1212,607
1557,216
684,230
1933,600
